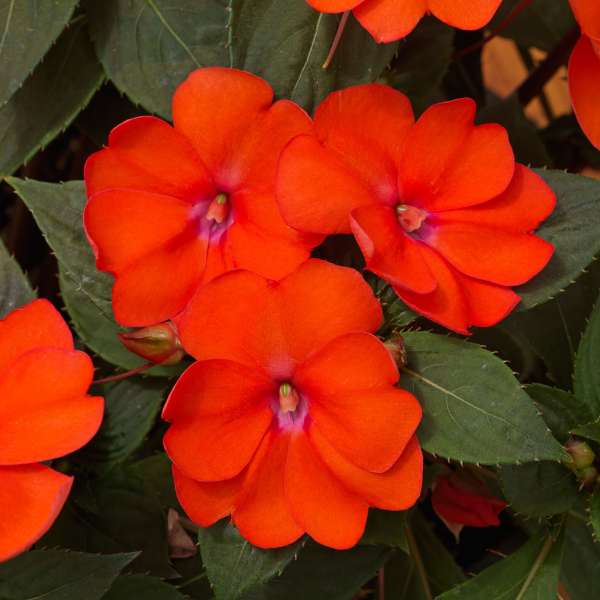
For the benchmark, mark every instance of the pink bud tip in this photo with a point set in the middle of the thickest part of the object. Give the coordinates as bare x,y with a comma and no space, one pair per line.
288,398
218,209
410,217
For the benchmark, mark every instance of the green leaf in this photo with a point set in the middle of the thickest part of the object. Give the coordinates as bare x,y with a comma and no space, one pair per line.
234,565
49,100
149,47
595,512
58,211
15,289
322,573
131,518
590,431
100,334
586,380
29,26
59,575
130,407
158,472
554,329
474,410
580,573
141,587
386,527
396,314
286,43
531,573
574,230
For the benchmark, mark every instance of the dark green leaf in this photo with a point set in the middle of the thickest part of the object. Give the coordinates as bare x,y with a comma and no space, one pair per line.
595,512
574,230
130,407
58,211
474,409
322,573
141,587
149,47
580,573
158,472
554,329
396,314
59,575
286,43
234,565
386,527
510,578
28,30
15,289
131,518
50,99
590,431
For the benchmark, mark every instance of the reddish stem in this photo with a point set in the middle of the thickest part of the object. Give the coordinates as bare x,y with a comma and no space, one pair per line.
512,15
336,39
381,584
124,375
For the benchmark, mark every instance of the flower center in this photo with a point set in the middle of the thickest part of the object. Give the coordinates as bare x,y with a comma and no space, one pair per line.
288,398
218,208
410,217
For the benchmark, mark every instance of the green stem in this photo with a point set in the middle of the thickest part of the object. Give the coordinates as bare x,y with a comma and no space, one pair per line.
416,555
536,566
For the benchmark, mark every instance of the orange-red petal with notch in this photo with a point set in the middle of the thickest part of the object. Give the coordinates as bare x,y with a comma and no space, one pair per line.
147,155
44,409
213,109
449,163
388,251
584,87
259,239
464,14
263,514
390,20
219,411
333,6
587,13
349,387
316,187
319,501
496,255
34,325
398,488
206,502
525,203
276,325
31,496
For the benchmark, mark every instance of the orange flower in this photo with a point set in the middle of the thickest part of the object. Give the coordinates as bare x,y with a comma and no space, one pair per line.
439,208
389,20
44,413
290,420
170,208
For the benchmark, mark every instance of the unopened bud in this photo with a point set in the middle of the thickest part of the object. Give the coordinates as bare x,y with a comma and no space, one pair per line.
395,346
288,398
157,343
218,209
586,475
583,456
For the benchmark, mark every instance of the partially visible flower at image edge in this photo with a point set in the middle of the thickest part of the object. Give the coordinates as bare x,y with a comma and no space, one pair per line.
439,208
45,413
390,20
290,421
172,207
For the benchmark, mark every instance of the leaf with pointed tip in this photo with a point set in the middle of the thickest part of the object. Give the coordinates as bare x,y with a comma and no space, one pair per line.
59,575
286,42
141,587
386,527
591,431
15,289
474,410
149,47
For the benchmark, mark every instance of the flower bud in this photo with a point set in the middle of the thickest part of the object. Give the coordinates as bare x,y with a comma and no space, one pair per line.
157,344
395,346
586,475
583,456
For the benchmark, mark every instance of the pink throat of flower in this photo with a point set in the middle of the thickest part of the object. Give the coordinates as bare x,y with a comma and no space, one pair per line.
410,217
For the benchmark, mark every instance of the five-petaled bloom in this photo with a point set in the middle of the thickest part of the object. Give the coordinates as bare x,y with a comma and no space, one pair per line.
170,208
439,208
389,20
44,413
462,498
289,420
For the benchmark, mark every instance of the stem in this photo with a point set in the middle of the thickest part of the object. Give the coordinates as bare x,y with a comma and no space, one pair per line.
381,584
512,15
414,551
536,567
188,524
124,375
336,39
192,580
537,79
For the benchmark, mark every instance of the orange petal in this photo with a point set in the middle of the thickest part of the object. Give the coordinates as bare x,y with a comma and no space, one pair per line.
584,87
449,163
464,14
276,325
349,387
31,496
388,251
148,155
333,6
259,239
219,411
587,13
35,325
218,255
44,410
390,20
319,501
